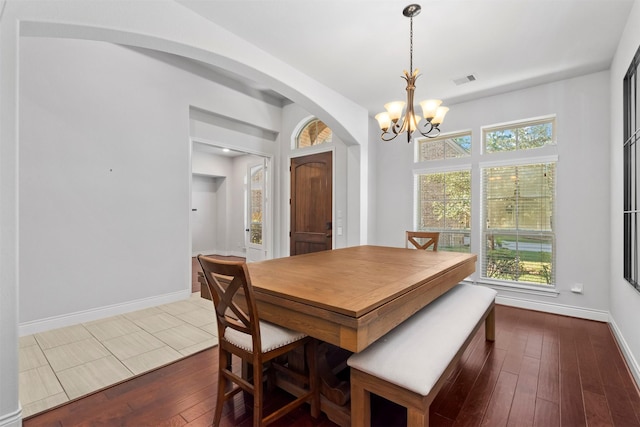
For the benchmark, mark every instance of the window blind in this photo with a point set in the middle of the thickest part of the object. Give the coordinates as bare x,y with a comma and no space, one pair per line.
518,211
444,205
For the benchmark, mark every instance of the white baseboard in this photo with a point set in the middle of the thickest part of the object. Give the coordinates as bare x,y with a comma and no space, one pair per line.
632,362
41,325
547,307
13,419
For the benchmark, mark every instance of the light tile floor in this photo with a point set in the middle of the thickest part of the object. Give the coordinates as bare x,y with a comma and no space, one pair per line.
63,364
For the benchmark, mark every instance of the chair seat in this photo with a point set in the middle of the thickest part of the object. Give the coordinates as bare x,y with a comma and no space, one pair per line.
272,337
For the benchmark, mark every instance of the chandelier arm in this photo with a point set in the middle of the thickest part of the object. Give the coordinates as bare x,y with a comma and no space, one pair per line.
393,131
388,133
431,128
397,128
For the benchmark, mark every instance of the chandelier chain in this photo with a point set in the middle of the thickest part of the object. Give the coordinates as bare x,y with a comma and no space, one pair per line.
411,45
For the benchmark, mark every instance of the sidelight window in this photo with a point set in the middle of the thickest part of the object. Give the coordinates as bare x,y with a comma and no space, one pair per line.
631,175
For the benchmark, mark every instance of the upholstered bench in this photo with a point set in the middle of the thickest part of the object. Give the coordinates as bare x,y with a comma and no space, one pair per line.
410,364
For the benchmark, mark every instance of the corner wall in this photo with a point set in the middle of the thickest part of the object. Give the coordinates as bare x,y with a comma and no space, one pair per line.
625,300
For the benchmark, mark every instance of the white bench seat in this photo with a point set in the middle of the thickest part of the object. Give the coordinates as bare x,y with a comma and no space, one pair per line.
409,364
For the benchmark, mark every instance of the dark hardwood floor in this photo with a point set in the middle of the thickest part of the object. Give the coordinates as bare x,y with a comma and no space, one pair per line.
543,370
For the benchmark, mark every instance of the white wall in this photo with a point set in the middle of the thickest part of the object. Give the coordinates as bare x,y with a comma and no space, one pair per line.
583,185
105,178
625,301
210,165
104,168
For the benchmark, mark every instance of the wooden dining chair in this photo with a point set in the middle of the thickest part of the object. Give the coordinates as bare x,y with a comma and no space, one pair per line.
422,239
242,333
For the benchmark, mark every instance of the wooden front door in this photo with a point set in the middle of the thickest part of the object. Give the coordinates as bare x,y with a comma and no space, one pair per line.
311,210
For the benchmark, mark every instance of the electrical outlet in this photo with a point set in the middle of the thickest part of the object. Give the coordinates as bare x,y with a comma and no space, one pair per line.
577,288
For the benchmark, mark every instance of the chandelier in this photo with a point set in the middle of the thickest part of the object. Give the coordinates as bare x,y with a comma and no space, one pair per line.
390,122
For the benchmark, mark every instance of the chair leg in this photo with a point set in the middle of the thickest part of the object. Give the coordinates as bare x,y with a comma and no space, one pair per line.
224,359
271,377
258,387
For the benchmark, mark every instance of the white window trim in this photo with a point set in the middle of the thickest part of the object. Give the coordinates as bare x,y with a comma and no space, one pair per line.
521,160
518,287
518,124
442,169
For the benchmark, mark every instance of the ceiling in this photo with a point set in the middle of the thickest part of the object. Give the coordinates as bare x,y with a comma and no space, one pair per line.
360,48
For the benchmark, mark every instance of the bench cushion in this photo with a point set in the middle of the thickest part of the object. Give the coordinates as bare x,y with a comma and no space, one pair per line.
415,354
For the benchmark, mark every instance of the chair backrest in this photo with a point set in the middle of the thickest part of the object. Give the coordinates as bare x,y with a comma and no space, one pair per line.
427,238
230,286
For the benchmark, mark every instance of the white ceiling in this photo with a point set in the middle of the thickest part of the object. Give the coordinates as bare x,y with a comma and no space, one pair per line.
360,48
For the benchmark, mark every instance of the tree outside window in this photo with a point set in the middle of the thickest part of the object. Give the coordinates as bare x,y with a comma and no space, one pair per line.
512,138
444,205
518,216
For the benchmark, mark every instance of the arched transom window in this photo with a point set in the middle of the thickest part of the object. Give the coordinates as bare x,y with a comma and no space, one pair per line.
314,133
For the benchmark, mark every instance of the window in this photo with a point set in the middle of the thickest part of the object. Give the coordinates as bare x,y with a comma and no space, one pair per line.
444,205
443,190
533,134
256,203
510,187
631,176
314,133
518,223
444,147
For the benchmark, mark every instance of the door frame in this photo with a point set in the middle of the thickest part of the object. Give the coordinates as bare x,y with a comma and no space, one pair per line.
270,187
303,153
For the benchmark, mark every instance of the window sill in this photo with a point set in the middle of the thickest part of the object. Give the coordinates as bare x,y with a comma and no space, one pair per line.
518,288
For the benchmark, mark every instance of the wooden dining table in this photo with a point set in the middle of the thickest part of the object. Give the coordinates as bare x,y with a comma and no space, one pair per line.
351,297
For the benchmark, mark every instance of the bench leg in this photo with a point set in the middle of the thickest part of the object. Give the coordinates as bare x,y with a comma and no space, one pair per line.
417,417
360,406
490,325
